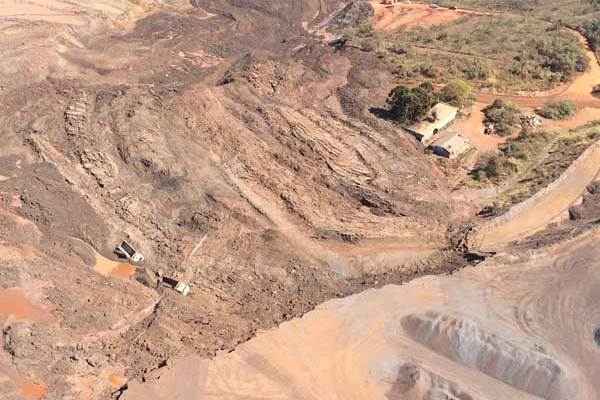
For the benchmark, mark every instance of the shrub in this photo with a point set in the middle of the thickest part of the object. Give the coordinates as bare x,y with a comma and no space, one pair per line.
505,117
365,29
591,31
475,71
457,92
558,110
493,166
411,104
561,56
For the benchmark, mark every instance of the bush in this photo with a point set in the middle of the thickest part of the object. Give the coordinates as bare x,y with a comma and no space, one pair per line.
562,57
365,29
505,117
475,71
411,104
457,93
591,31
558,110
493,166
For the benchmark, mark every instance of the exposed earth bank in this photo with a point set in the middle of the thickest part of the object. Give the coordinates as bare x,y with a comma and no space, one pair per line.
514,327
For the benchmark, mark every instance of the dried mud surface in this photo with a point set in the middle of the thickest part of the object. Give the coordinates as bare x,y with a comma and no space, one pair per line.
236,150
229,145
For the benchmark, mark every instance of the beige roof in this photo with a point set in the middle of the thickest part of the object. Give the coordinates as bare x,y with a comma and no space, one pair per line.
437,119
453,143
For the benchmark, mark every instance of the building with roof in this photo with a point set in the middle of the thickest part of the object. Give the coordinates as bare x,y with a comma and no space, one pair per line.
450,145
439,117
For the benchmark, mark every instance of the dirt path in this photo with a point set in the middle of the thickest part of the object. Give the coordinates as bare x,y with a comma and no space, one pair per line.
579,91
540,210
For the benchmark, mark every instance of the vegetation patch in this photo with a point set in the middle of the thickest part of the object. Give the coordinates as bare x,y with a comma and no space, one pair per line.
537,160
558,110
515,155
524,54
458,93
504,52
502,118
411,104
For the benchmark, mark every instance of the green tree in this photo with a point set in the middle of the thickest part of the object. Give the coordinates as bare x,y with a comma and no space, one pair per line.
411,104
458,93
591,31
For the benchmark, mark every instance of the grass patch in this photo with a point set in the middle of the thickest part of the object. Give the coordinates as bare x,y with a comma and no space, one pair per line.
503,52
514,157
543,168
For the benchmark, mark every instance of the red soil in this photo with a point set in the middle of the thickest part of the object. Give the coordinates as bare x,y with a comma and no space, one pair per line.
124,271
14,303
33,391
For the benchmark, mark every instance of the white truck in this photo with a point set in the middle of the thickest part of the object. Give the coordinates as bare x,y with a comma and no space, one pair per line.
127,251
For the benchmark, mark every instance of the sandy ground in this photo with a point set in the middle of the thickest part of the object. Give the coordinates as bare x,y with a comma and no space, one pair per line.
471,126
427,338
405,15
15,305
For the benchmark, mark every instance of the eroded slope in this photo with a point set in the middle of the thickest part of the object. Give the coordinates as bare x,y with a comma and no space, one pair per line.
230,146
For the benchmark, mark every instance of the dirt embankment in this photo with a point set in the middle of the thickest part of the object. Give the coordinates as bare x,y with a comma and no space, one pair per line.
426,339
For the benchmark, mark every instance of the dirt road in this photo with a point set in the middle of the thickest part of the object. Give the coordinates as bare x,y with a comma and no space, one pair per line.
538,211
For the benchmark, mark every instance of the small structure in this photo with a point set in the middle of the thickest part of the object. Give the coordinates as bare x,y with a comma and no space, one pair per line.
451,145
531,121
180,287
438,118
125,250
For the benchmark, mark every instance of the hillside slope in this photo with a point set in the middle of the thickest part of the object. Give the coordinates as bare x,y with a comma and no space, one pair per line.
231,146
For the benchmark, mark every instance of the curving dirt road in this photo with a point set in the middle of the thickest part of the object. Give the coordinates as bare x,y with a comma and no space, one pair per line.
545,207
539,211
